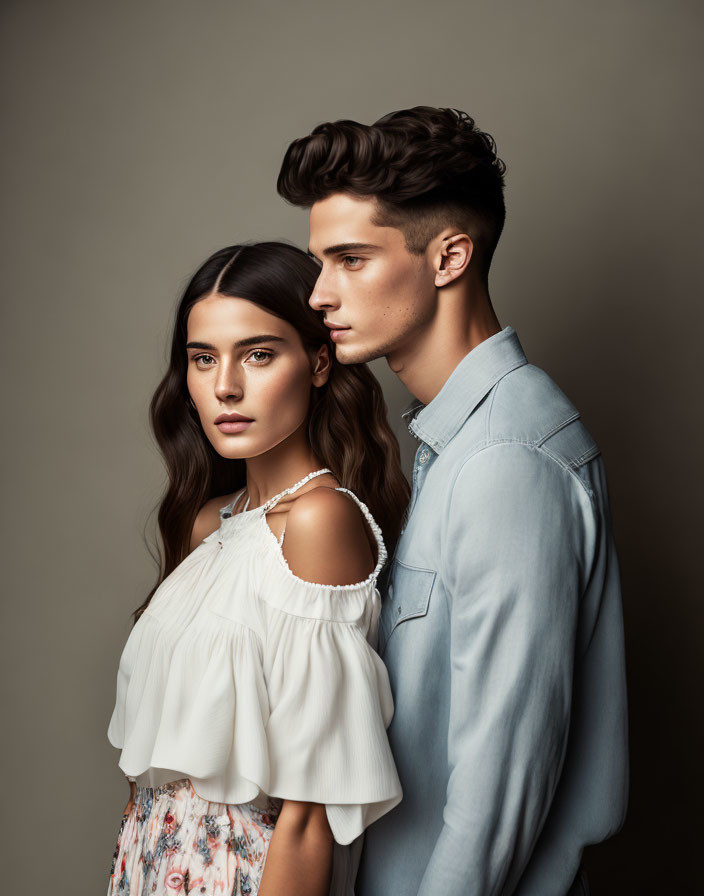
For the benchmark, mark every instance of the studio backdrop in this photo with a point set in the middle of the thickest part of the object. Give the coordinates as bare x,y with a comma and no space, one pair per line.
139,137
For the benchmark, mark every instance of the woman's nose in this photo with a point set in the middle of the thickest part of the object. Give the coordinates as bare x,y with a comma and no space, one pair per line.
228,383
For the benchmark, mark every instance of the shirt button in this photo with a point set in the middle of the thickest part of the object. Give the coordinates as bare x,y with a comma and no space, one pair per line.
424,456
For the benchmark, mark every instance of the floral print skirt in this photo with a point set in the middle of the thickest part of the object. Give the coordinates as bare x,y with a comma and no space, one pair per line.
173,842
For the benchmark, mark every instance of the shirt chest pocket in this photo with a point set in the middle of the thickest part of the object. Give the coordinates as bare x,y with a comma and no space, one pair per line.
407,597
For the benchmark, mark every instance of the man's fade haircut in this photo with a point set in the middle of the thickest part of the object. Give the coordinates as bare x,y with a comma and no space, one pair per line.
427,169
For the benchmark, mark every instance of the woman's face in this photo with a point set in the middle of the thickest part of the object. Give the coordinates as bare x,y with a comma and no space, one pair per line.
244,361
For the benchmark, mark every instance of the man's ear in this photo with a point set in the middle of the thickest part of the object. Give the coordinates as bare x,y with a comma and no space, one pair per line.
322,365
452,258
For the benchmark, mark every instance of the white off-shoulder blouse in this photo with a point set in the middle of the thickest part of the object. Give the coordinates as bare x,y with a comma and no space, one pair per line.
251,681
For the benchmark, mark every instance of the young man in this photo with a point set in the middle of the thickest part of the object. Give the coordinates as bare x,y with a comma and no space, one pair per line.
502,624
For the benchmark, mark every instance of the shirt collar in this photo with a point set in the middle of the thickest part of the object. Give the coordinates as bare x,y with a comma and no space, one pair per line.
476,374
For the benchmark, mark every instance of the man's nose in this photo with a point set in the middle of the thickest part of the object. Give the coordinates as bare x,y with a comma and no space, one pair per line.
322,298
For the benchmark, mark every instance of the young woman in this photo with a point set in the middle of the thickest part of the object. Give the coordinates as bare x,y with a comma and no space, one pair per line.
251,706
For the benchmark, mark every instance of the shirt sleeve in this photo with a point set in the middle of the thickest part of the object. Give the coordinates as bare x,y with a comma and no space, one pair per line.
517,532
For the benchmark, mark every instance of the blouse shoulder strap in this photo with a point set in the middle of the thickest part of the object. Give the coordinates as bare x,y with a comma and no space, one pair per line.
272,502
376,529
227,510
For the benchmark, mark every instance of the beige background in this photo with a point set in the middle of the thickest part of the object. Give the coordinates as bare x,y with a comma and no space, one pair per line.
141,136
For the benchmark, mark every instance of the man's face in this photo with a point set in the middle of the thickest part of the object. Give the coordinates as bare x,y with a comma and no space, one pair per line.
379,296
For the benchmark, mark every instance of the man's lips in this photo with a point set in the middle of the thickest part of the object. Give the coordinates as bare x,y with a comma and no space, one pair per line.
336,330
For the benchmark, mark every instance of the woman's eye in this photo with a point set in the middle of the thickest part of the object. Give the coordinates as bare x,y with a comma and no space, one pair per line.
199,358
259,356
352,260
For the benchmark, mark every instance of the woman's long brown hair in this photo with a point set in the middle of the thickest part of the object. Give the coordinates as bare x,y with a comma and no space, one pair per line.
347,425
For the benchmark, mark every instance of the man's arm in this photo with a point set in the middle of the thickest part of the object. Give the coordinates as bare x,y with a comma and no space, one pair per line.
518,530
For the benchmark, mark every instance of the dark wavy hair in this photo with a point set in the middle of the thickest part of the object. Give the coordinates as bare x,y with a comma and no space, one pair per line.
426,168
347,426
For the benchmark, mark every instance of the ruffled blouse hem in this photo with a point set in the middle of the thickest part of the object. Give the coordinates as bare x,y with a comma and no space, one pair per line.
349,814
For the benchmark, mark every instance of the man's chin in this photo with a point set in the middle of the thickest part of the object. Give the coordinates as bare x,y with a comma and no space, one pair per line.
356,354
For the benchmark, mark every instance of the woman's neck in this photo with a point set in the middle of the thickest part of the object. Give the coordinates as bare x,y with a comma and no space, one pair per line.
274,471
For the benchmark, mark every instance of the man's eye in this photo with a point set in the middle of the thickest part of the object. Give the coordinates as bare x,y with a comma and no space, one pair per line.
352,260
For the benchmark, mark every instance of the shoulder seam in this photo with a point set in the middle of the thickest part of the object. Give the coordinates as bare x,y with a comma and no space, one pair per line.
487,434
588,455
556,429
541,449
540,438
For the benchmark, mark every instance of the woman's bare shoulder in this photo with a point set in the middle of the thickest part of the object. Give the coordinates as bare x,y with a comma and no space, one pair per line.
208,519
326,539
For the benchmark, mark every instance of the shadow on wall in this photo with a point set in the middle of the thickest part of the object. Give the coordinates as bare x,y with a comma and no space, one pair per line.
623,361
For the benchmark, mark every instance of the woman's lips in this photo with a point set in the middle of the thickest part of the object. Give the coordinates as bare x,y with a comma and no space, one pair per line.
234,425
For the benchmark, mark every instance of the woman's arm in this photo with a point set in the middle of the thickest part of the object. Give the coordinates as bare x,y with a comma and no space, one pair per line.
130,801
299,859
325,542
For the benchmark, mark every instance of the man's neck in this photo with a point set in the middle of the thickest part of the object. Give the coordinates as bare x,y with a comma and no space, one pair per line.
425,362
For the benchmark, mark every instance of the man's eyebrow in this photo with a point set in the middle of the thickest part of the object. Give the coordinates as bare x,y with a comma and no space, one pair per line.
241,343
346,247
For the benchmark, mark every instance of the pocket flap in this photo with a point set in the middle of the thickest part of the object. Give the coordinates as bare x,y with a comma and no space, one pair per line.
409,592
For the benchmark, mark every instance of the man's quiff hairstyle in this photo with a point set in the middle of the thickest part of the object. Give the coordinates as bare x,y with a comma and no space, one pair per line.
426,168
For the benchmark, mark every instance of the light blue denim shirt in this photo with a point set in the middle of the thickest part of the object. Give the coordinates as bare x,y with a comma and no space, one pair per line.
502,631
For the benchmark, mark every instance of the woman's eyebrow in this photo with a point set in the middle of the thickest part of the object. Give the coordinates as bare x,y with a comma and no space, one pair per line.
241,343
